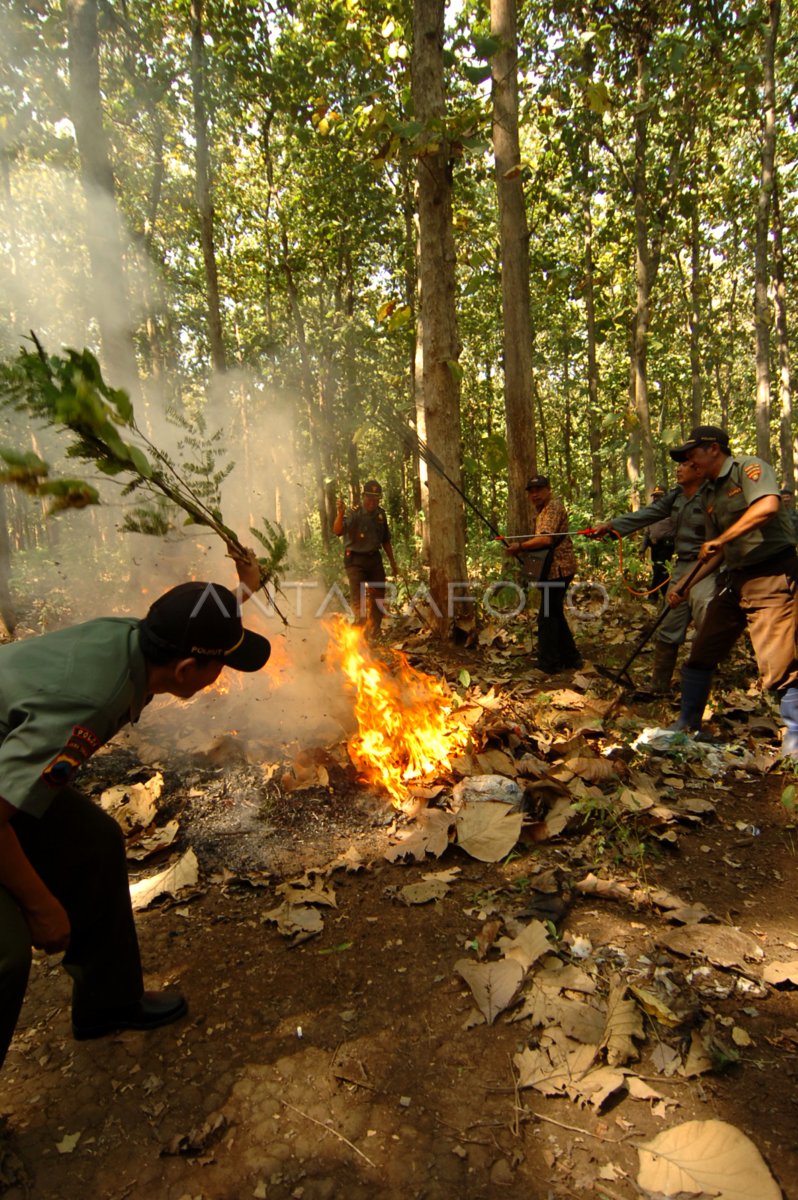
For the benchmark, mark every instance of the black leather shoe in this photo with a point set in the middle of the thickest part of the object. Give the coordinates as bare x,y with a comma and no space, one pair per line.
152,1010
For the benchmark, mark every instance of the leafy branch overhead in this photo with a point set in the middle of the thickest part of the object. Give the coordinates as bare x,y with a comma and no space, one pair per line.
68,392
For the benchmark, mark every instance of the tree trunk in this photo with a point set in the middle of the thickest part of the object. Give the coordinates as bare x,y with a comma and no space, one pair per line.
696,378
103,232
593,412
8,618
761,264
204,189
440,346
514,239
643,272
786,443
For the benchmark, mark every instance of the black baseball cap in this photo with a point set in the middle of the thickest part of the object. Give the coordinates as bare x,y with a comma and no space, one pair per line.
537,481
372,488
202,620
702,435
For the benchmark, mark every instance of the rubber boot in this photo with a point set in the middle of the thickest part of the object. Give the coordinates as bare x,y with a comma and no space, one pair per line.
695,693
665,655
789,715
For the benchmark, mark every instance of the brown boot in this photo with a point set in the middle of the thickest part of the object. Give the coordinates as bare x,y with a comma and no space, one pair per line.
665,655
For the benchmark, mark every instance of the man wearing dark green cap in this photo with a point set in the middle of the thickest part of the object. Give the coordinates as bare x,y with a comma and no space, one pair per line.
366,534
750,534
63,871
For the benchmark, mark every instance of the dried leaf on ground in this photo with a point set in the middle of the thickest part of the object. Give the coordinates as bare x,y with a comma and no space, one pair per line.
430,836
781,972
488,831
497,762
554,1066
722,945
431,887
705,1157
624,1022
184,873
652,1006
307,891
297,921
597,1087
698,1061
594,769
146,846
529,945
494,986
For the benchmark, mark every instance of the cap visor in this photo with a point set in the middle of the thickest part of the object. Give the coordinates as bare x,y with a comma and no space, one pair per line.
251,655
679,453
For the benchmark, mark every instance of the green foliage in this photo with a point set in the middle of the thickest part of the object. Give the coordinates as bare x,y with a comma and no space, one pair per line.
68,392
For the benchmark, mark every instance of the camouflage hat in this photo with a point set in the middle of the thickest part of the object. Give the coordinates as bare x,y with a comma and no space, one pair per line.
372,488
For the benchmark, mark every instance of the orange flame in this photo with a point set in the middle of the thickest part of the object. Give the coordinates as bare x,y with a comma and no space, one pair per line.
404,727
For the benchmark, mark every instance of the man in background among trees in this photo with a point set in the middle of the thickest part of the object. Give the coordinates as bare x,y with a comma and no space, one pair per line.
366,534
556,647
751,534
682,509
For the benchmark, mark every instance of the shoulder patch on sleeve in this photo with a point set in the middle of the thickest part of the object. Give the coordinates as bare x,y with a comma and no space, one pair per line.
753,471
81,745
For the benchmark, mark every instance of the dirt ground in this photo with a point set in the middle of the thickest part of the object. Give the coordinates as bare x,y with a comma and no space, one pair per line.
348,1065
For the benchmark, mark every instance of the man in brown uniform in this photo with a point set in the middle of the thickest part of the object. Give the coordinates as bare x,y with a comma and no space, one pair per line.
366,534
556,647
749,532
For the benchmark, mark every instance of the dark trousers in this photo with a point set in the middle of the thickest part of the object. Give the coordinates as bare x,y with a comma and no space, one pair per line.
763,598
79,853
556,645
366,575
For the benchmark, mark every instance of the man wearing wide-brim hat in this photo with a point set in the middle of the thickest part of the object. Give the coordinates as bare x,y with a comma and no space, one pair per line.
750,539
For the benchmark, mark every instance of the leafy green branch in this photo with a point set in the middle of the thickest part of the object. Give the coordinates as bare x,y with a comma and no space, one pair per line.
69,392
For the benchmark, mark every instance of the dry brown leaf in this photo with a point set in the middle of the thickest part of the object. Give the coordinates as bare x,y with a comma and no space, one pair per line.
698,1061
781,972
184,873
528,946
597,1086
497,762
594,769
494,986
430,836
705,1157
488,831
424,891
624,1022
553,1067
722,945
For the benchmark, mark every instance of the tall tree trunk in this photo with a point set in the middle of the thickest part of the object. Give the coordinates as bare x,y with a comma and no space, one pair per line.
514,238
643,272
593,412
8,618
103,232
440,347
786,442
696,376
761,260
204,189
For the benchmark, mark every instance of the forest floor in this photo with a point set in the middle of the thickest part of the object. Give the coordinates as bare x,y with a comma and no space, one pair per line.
345,1056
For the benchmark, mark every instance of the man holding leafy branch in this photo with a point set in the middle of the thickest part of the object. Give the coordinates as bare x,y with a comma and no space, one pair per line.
63,873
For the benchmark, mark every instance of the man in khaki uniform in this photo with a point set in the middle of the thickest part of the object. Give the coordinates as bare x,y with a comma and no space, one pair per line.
556,647
366,534
63,871
683,509
750,534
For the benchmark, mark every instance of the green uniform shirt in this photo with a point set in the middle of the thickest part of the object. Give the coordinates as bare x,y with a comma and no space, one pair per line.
366,531
742,480
686,513
62,696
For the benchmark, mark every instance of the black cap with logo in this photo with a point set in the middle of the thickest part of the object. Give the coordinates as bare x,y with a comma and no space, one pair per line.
702,435
202,620
537,481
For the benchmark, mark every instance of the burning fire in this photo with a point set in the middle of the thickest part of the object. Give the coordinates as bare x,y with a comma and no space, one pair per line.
404,727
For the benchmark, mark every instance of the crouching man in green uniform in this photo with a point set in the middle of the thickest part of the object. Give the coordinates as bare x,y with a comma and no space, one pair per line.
63,871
